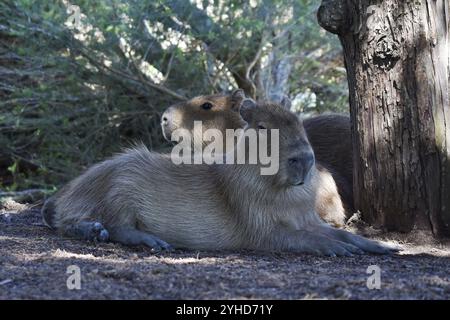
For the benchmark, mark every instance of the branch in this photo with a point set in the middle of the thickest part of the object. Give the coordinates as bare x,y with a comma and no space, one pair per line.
25,196
202,27
120,74
256,57
333,16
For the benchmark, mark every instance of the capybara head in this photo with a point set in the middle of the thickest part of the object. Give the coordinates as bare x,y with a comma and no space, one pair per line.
296,156
234,111
219,111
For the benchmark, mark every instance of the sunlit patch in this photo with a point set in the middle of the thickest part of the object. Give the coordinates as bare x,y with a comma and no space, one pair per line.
192,260
88,257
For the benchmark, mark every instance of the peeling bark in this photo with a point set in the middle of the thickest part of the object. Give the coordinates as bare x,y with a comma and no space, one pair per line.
276,77
397,59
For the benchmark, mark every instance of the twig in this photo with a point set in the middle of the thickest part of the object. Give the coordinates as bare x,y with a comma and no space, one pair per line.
127,76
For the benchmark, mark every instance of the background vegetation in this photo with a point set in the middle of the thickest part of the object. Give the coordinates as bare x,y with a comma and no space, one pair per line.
73,93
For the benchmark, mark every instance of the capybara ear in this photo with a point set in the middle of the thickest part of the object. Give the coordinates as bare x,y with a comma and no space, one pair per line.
282,100
237,96
248,106
286,103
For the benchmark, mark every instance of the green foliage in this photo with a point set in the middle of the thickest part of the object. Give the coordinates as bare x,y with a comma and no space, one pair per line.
72,96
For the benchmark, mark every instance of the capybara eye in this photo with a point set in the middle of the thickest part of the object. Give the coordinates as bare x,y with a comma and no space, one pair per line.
207,106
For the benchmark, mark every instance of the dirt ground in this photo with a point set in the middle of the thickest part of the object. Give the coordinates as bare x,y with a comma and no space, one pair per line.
34,262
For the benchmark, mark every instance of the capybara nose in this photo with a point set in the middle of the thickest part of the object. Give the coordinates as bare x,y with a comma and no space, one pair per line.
294,161
308,161
166,123
300,166
300,162
167,116
304,160
165,119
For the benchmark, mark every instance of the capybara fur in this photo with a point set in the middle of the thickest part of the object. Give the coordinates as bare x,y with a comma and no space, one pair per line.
142,197
219,112
330,137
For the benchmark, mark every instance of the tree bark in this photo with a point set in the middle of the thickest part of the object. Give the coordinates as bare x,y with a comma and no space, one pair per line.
275,76
397,58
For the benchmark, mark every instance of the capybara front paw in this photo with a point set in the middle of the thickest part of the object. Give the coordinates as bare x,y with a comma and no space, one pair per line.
99,233
156,244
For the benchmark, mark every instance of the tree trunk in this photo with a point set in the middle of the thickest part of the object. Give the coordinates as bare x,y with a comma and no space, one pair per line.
397,58
275,77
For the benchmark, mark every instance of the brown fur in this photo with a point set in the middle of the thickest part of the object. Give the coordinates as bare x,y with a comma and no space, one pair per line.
224,116
330,137
144,194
